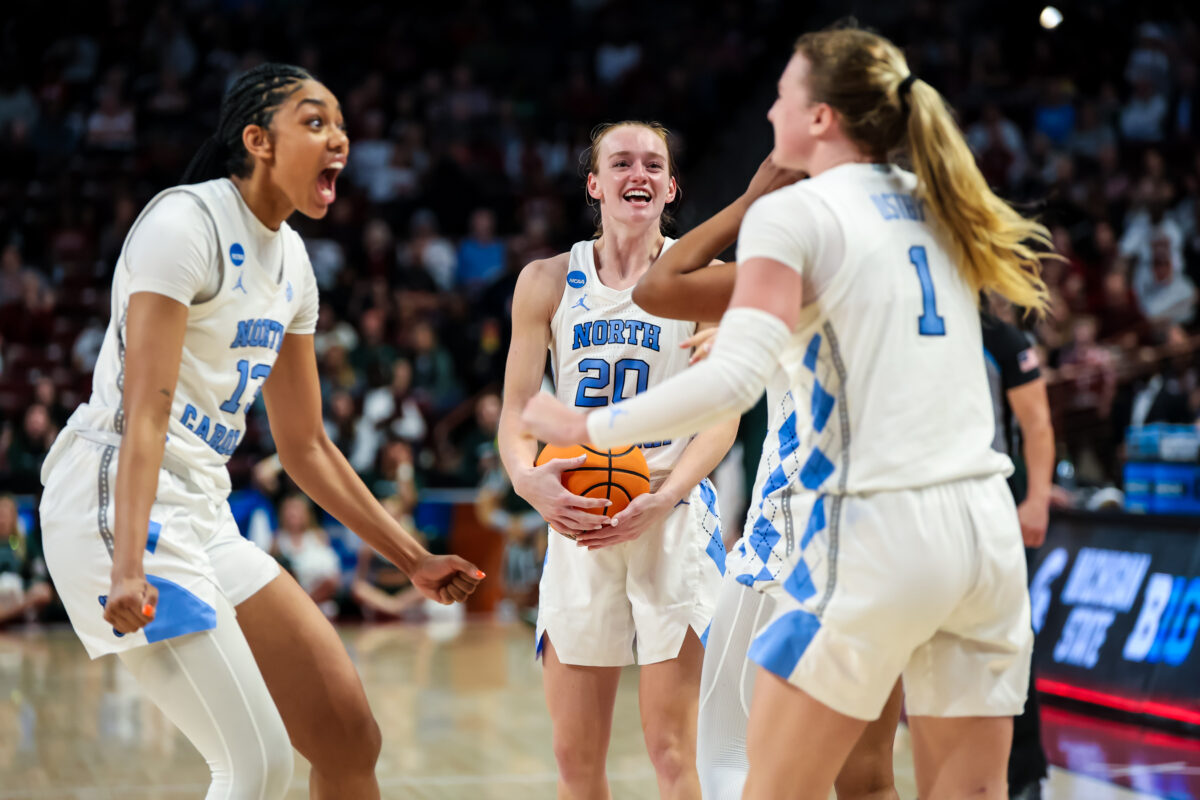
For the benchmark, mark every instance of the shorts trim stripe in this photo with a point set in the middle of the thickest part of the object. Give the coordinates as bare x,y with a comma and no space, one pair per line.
103,490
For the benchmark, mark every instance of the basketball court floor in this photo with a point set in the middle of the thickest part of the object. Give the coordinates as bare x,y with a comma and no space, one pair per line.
460,706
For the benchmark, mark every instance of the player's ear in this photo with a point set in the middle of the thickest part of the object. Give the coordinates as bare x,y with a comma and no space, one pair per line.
257,141
593,186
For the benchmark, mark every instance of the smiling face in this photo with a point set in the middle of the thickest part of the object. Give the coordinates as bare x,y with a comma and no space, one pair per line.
631,176
305,147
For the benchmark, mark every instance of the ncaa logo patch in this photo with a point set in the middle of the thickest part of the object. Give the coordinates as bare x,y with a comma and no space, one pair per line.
576,279
237,254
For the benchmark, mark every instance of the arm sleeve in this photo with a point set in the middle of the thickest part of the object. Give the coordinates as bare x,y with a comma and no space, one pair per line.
744,357
305,321
172,251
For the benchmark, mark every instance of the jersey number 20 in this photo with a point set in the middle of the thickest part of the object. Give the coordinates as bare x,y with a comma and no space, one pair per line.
929,323
600,374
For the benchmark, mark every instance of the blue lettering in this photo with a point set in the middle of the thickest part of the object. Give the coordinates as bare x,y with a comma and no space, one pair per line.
231,443
893,206
259,333
881,204
600,332
650,337
189,412
201,430
218,436
616,332
1184,626
1177,591
633,327
583,335
240,339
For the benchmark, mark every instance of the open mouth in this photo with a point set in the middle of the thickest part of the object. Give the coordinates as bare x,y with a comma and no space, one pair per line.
638,197
327,184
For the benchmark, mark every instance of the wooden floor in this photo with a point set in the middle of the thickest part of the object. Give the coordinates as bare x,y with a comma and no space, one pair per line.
460,706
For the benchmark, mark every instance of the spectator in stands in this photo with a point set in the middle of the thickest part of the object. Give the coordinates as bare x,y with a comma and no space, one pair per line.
1148,222
45,393
500,508
433,370
482,257
1165,295
30,444
1091,134
24,582
392,411
999,147
381,590
111,126
1054,116
428,259
1090,366
303,549
374,355
1143,115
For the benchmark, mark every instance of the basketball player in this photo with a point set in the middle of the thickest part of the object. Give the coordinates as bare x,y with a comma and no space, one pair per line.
213,293
686,281
651,575
883,529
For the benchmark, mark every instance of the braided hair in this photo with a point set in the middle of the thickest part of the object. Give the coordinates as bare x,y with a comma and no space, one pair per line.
253,99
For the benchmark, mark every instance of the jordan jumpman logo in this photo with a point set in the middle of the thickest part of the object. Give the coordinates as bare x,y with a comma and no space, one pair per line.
580,304
238,285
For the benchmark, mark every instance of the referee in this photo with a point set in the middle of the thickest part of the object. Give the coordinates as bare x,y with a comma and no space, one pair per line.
1024,432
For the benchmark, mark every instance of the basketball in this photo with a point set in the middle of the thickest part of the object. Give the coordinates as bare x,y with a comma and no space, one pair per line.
618,475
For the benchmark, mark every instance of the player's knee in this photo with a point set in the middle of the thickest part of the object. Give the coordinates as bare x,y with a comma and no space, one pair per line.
579,762
866,776
669,752
358,745
261,772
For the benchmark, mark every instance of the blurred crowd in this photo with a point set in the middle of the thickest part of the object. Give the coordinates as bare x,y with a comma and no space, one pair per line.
465,166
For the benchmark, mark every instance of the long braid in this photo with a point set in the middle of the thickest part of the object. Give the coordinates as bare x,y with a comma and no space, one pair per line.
251,100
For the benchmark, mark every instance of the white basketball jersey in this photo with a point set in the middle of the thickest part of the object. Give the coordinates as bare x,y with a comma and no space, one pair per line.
231,342
605,349
882,386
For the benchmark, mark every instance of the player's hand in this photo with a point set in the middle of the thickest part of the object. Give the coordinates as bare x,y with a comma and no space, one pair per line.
702,343
567,513
131,603
1034,516
645,512
548,420
769,177
446,579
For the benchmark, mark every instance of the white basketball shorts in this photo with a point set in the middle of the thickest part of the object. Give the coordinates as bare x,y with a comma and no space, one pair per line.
599,606
929,583
193,550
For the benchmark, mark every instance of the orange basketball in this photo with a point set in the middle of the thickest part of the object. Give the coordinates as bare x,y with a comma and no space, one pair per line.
618,475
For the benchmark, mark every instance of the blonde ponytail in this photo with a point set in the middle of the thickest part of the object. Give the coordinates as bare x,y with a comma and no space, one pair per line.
866,80
996,249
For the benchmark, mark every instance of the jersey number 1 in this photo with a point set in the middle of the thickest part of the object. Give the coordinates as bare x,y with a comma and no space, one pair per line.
929,323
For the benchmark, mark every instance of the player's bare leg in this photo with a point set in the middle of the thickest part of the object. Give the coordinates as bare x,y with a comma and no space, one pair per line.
317,689
580,700
669,698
